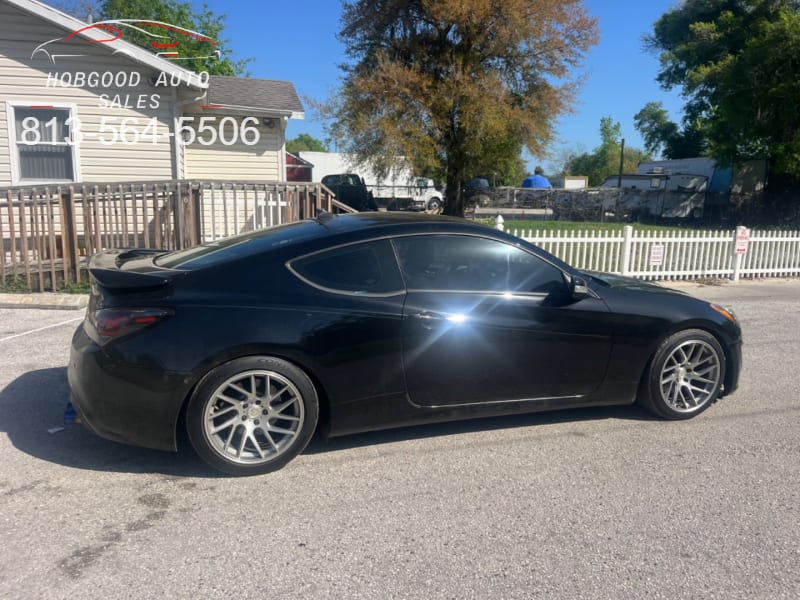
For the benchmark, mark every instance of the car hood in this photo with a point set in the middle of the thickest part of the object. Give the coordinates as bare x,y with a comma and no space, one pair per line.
630,283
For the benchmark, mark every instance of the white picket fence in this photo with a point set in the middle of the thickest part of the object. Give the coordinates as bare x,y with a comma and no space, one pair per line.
674,254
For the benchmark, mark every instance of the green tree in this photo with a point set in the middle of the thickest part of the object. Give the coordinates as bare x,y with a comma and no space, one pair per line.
501,164
654,125
174,12
458,86
603,161
736,63
305,142
665,137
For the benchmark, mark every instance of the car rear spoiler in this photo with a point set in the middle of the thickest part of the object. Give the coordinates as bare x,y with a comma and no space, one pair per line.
105,268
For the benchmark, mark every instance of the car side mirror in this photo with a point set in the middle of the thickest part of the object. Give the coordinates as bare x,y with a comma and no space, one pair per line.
578,288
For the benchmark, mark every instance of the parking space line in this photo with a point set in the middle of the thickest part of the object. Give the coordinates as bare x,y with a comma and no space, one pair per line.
16,335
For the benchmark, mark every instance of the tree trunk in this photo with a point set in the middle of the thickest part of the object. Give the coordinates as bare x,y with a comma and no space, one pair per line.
454,198
456,167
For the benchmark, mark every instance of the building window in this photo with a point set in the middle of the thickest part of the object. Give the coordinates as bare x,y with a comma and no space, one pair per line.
42,144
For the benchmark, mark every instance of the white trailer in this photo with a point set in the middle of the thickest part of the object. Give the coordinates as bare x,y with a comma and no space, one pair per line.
661,195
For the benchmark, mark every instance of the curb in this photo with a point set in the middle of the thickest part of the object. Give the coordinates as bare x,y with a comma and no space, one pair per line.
45,301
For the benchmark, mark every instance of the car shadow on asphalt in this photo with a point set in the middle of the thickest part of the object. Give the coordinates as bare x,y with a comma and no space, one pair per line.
32,408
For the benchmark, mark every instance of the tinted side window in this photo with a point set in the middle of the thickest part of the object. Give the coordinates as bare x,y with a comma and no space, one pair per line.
368,268
466,263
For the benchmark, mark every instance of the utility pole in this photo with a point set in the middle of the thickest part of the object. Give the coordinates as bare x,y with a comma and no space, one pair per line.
621,160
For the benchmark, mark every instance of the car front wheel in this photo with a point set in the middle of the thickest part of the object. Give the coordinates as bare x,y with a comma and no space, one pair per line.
685,375
252,415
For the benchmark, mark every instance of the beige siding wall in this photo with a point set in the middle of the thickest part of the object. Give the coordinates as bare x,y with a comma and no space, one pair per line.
23,81
238,161
5,159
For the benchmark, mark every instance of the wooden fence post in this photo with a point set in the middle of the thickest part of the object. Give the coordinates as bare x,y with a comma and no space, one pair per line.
69,234
196,216
177,217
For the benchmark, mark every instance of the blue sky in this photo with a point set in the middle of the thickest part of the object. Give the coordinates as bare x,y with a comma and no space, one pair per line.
297,42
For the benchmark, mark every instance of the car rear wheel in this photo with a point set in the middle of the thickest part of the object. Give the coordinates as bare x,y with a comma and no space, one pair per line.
252,415
685,375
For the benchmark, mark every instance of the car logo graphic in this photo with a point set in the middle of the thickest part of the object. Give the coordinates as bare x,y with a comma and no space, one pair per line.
166,40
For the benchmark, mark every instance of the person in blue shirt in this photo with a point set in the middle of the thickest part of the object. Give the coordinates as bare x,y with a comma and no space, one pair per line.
537,180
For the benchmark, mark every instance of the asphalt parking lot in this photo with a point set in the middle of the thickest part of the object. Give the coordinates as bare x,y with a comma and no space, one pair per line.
599,503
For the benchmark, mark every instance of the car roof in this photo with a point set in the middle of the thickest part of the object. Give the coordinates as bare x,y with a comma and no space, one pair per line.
330,229
400,220
353,227
364,225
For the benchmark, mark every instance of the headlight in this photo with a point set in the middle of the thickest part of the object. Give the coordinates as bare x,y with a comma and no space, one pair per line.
725,312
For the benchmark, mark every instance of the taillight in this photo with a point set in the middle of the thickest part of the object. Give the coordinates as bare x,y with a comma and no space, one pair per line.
114,323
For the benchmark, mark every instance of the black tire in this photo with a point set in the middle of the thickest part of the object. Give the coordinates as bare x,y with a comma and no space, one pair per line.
252,415
685,375
434,204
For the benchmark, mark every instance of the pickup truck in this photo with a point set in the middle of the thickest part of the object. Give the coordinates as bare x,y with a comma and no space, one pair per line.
351,189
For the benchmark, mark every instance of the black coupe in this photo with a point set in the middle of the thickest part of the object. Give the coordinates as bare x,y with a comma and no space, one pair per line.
358,322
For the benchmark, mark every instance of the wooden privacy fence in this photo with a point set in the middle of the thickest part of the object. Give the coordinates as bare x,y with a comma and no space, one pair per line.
49,231
675,254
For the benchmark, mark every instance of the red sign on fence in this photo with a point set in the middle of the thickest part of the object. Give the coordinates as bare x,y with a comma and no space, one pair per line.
742,240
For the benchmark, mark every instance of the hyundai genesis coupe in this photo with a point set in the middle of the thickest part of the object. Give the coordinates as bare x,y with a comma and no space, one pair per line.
350,323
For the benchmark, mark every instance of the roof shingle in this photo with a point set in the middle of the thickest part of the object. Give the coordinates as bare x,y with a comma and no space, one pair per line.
262,94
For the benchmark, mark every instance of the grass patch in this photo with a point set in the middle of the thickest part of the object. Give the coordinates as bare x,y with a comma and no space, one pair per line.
71,287
14,285
17,284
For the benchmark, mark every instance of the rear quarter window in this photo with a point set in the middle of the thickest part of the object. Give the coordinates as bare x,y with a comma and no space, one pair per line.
365,268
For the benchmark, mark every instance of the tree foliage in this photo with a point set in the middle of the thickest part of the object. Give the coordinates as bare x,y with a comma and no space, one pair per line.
603,161
181,14
305,142
736,62
655,126
665,137
501,164
459,86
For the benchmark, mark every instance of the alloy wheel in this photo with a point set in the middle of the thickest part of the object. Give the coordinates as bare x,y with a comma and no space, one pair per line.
253,417
691,376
